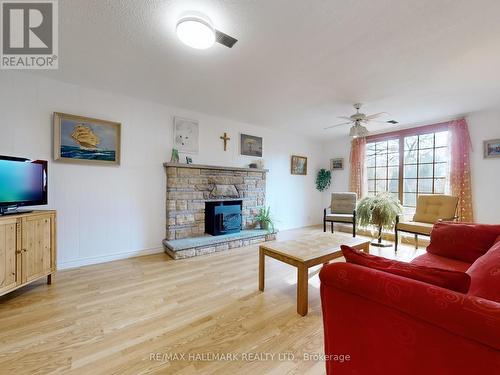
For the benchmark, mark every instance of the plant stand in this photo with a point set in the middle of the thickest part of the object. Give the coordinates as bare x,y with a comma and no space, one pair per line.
378,242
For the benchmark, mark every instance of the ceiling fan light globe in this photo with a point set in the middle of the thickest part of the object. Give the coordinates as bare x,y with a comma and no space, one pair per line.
196,32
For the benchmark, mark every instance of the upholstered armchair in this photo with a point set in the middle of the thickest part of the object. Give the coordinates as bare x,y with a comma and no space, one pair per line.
430,209
342,209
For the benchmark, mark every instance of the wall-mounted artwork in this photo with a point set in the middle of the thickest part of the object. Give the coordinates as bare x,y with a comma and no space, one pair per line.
251,145
492,149
336,164
186,135
80,139
299,165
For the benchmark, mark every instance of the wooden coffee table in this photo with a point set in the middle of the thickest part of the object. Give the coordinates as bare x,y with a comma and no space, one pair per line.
307,252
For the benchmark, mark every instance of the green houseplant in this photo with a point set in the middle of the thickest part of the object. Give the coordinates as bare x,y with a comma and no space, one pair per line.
265,219
323,179
380,212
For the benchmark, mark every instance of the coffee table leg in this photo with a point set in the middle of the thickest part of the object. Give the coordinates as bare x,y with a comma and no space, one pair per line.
262,269
302,290
366,248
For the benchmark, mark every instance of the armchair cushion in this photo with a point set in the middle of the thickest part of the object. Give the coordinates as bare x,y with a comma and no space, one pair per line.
345,218
432,260
452,280
462,241
343,203
415,227
485,275
431,208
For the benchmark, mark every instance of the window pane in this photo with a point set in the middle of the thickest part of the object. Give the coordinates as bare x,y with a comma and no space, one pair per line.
370,149
371,185
426,156
409,199
410,171
425,186
408,212
370,161
393,145
426,141
424,170
381,172
442,154
393,159
393,186
381,147
371,172
381,185
410,185
395,195
441,139
410,157
381,160
393,172
441,170
439,185
411,142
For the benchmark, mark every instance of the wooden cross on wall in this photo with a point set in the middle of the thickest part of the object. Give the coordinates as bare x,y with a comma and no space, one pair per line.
225,138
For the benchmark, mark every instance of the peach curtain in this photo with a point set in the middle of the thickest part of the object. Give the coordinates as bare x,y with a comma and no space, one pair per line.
357,161
460,177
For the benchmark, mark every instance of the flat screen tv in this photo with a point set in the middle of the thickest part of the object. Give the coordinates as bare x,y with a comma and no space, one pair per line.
23,182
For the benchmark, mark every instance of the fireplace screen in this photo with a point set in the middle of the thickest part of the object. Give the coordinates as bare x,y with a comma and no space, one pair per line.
223,217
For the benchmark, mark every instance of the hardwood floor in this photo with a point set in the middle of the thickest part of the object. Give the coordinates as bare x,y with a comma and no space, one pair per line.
128,316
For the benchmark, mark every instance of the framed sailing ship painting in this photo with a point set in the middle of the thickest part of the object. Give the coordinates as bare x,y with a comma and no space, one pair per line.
80,139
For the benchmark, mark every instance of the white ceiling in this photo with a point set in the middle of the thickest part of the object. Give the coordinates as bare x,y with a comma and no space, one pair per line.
298,63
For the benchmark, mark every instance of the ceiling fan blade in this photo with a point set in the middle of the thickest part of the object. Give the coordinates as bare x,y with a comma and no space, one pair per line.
376,115
344,118
392,122
225,39
334,126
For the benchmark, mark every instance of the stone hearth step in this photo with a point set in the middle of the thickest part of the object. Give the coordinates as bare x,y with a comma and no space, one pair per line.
194,246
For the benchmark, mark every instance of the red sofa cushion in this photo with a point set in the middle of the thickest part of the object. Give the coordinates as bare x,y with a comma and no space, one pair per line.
462,241
436,261
452,280
485,275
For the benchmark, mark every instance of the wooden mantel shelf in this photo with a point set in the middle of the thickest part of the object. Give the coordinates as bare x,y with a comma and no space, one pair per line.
200,166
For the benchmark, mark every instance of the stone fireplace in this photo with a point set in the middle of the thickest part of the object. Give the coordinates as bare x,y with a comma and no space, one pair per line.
189,186
193,191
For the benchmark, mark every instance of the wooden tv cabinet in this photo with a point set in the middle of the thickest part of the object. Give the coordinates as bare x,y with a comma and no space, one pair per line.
27,249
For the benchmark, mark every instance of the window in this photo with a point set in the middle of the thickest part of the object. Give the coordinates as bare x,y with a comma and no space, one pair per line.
407,165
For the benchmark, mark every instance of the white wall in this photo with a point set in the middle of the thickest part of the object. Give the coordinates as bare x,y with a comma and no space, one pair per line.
338,148
107,213
485,172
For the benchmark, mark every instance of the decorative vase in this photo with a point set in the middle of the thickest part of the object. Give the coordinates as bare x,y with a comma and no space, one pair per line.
175,156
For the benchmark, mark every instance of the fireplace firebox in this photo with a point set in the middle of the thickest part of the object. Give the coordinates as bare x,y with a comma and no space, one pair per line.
223,217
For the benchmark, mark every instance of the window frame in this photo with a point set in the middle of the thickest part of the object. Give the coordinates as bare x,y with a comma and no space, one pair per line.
401,135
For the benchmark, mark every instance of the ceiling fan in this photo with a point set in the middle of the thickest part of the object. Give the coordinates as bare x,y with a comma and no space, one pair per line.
358,119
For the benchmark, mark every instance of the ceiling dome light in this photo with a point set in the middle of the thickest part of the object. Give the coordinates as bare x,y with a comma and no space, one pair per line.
196,32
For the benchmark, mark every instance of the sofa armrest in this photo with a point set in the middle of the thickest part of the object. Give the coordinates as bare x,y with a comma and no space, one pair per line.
471,317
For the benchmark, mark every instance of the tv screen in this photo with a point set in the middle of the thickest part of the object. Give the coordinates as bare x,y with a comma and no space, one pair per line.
23,182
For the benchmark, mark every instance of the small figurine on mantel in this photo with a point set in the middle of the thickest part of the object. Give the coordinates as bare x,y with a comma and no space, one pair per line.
258,164
175,156
225,138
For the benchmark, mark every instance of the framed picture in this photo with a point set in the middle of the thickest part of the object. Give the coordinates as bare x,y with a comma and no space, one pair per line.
186,135
80,139
251,145
299,165
492,149
336,164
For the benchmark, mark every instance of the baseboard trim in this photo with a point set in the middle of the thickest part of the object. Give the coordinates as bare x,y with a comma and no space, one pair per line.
106,258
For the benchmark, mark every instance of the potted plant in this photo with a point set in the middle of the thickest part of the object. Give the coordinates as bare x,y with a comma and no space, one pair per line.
378,211
265,219
323,179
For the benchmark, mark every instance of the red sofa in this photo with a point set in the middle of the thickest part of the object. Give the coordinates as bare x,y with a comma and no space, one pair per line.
380,323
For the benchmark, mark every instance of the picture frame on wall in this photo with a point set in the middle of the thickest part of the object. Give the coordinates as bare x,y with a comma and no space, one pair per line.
492,149
250,145
336,164
186,135
299,165
79,139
